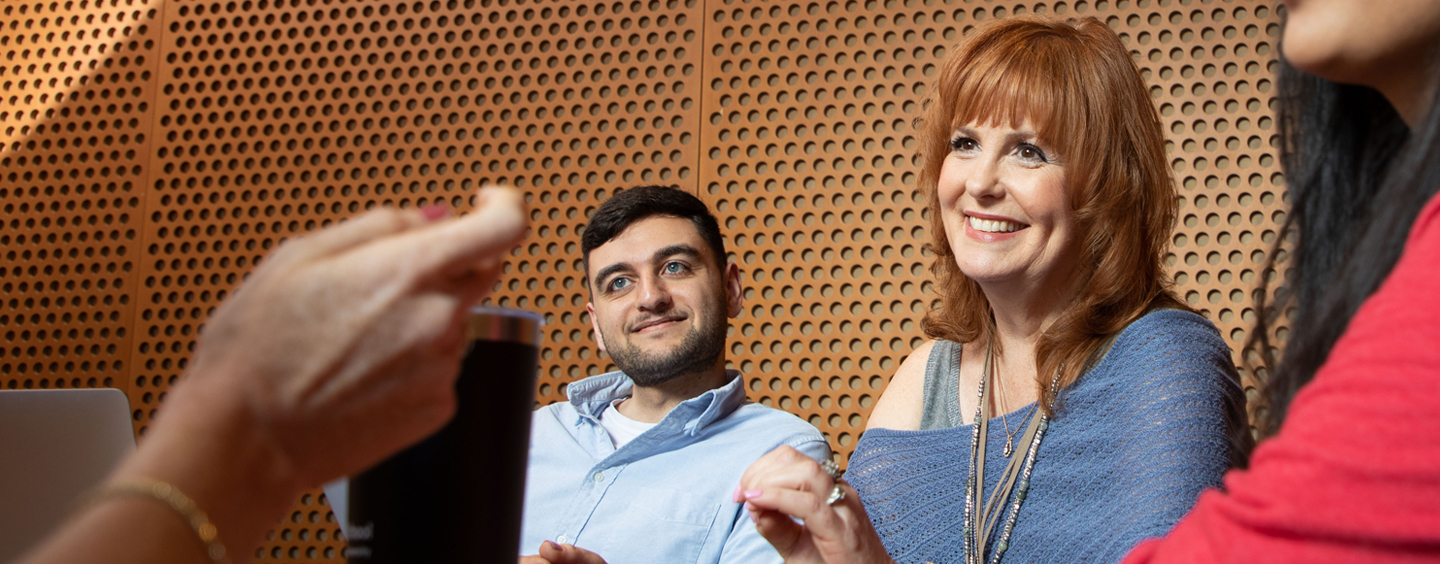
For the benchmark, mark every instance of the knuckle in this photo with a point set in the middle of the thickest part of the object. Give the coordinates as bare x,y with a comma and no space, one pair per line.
391,218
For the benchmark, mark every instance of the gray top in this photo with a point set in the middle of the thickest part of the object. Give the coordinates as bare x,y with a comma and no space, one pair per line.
942,385
940,408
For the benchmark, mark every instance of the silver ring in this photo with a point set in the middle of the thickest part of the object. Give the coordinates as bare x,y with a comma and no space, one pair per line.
831,468
836,494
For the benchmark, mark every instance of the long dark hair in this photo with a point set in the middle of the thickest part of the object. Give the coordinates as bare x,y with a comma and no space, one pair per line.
1357,179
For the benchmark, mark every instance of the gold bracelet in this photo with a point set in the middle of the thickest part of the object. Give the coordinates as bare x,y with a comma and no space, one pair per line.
172,497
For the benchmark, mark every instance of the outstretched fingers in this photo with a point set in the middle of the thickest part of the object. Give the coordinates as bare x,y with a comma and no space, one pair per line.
352,233
478,240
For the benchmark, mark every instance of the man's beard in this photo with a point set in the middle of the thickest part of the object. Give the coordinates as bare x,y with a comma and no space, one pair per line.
701,348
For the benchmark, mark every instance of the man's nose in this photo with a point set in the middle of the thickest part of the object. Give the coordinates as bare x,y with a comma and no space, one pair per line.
654,294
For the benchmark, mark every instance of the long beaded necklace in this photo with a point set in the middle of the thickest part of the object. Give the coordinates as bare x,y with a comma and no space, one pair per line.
980,520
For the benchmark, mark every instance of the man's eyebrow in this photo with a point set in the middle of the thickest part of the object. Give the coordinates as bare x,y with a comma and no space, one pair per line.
607,272
676,249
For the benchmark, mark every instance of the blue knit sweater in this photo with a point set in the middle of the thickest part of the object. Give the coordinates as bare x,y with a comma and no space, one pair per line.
1133,443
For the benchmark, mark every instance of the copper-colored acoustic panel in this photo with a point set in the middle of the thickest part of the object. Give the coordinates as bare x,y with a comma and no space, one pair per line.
1211,70
809,110
76,106
613,101
151,153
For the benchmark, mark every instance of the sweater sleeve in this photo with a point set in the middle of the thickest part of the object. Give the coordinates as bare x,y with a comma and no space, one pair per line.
1181,405
1354,474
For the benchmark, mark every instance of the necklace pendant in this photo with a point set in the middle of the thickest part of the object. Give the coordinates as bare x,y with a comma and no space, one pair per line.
1009,447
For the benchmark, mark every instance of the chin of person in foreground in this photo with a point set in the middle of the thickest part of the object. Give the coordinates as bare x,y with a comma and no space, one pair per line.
339,350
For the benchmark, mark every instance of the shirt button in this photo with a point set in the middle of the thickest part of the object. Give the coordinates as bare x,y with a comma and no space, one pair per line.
599,476
561,539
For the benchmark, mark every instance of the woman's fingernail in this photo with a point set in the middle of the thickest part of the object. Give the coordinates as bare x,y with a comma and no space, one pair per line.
735,497
752,494
754,518
435,211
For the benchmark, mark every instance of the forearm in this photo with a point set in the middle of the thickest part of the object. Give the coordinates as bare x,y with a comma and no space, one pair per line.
208,450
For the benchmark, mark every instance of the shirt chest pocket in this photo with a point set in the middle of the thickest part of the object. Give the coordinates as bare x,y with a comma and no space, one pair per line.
674,523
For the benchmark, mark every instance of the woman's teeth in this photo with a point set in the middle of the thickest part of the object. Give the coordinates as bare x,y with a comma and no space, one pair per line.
993,226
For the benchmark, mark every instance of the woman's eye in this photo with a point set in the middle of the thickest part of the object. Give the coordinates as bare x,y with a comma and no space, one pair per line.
965,144
1032,153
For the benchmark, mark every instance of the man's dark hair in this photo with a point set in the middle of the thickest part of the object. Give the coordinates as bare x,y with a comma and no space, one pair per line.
629,206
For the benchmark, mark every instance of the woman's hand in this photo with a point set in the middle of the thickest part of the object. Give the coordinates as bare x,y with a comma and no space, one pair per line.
344,345
340,350
784,484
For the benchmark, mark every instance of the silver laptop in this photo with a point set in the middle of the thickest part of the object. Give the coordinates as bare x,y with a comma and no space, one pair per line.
55,445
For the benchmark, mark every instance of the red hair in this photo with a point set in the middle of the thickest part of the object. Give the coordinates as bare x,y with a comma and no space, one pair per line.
1076,84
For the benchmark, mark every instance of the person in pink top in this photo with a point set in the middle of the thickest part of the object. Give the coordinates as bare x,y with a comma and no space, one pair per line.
1351,471
1350,468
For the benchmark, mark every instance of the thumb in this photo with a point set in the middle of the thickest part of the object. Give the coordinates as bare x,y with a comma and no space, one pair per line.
551,552
568,554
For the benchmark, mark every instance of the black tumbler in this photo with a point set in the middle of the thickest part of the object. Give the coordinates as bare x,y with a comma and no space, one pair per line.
457,496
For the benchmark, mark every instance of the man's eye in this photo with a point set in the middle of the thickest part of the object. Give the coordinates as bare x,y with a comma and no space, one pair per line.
619,284
674,268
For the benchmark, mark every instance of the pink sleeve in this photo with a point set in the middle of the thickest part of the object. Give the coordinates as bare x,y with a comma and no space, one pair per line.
1354,475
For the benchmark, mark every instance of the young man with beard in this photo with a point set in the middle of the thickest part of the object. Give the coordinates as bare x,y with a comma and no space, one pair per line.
641,464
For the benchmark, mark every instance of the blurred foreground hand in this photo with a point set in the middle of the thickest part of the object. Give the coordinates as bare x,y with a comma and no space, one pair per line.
340,349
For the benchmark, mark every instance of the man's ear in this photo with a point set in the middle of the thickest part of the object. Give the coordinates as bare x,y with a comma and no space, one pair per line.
734,294
595,326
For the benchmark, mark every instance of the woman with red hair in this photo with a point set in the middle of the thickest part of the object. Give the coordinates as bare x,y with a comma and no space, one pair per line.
1068,405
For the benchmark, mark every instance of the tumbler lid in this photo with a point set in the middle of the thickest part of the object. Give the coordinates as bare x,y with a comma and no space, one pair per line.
504,324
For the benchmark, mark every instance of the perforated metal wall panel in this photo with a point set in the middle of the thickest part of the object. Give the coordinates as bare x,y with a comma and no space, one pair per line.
151,152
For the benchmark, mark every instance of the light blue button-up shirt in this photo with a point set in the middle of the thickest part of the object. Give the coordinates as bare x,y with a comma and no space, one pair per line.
664,497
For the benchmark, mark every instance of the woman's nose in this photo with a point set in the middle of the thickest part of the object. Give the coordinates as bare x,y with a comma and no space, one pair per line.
984,180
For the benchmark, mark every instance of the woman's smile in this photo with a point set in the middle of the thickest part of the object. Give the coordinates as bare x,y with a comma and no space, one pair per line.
992,229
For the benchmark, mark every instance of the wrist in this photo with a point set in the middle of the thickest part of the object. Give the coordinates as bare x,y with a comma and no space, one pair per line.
210,445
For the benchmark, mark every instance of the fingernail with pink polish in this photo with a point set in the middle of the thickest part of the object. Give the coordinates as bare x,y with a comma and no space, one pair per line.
735,497
435,211
752,494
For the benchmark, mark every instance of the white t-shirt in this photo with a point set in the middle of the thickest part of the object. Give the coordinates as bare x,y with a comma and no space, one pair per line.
622,429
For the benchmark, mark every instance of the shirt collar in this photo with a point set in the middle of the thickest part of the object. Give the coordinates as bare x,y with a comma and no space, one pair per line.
592,395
